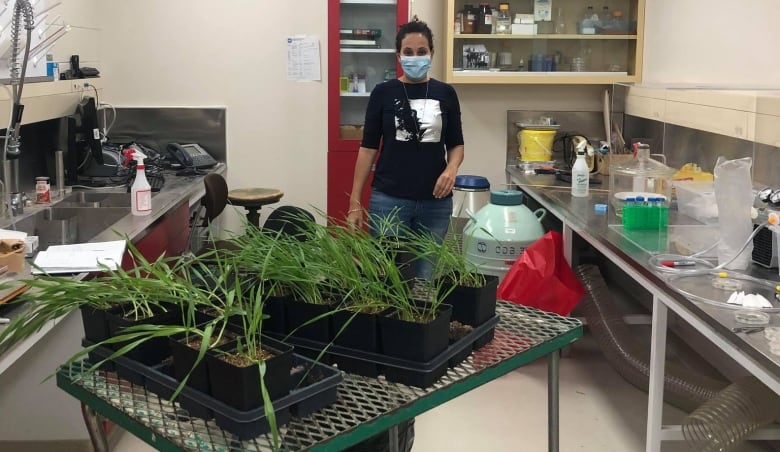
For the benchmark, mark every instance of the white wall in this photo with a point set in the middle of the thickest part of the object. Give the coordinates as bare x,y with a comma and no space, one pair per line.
206,53
712,42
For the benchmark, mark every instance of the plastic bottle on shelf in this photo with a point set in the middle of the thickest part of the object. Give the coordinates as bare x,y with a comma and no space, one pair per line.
141,191
605,19
580,175
587,24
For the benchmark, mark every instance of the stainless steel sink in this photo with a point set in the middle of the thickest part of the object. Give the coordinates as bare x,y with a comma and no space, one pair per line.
96,199
65,225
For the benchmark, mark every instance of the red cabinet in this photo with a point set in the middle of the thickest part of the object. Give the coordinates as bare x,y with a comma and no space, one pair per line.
361,54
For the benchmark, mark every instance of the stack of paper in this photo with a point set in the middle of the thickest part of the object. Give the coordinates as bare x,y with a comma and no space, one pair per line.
83,257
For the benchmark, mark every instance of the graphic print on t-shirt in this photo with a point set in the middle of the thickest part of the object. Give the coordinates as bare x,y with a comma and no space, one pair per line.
408,123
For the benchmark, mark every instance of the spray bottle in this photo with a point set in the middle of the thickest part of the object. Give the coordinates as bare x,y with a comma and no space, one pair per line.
141,191
580,175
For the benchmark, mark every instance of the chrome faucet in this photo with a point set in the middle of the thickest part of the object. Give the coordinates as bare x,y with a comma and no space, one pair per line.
18,200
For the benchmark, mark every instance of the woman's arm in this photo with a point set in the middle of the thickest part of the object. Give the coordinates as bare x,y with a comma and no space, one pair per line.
446,179
363,164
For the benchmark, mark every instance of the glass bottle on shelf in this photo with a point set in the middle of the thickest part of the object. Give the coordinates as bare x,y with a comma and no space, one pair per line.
485,19
469,19
503,21
560,22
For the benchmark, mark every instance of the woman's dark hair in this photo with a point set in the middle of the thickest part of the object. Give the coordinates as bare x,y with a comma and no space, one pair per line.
415,26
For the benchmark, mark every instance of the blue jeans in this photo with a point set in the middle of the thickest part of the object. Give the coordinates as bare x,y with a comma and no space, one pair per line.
427,215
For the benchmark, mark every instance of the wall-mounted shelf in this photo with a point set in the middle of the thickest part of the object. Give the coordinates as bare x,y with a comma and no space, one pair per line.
546,37
565,58
47,100
353,50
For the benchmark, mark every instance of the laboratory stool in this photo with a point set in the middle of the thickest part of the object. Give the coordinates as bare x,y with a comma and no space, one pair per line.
252,199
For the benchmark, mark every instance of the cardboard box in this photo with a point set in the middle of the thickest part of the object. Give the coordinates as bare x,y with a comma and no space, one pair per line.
351,132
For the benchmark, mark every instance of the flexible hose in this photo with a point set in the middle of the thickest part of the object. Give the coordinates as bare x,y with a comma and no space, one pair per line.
22,9
683,388
725,421
722,416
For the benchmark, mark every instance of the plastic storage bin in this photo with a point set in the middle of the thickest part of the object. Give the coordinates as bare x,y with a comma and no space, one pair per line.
697,200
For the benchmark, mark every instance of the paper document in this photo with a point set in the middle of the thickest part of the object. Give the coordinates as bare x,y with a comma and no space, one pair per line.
82,257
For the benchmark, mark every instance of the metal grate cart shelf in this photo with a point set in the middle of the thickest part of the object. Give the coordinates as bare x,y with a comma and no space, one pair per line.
365,407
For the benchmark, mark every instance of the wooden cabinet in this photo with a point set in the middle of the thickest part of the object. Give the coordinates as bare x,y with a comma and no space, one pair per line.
612,54
361,54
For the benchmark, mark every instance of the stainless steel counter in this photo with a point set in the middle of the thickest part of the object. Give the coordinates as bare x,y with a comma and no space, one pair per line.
630,251
177,190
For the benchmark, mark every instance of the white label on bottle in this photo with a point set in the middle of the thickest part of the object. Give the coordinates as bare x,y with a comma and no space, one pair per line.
488,19
143,200
95,134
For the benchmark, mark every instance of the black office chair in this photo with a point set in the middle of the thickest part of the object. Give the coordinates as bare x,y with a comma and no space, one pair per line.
212,205
216,197
291,220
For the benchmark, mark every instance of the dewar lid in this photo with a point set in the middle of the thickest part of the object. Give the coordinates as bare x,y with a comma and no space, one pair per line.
471,182
506,197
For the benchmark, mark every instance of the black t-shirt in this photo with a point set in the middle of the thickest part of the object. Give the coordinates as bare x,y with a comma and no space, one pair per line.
413,151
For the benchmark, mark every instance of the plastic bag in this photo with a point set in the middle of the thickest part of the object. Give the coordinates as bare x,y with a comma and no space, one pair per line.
734,194
541,278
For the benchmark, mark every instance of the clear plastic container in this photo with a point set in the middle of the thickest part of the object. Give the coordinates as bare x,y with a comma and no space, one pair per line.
640,176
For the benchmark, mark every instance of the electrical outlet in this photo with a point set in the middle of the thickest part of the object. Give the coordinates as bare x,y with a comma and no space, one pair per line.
76,85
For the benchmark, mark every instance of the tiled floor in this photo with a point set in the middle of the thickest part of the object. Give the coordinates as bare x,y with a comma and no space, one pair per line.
600,412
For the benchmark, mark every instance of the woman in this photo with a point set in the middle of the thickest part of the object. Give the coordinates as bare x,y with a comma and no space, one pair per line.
415,120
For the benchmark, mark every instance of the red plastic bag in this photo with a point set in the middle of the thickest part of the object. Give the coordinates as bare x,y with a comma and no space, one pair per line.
541,278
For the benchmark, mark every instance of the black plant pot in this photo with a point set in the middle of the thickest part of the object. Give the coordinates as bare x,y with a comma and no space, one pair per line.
473,305
239,387
152,351
419,342
276,322
95,323
358,331
185,356
300,320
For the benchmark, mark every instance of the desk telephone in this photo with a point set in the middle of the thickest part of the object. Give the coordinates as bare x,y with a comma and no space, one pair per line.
191,155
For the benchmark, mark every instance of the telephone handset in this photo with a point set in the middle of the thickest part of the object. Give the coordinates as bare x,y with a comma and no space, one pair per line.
191,155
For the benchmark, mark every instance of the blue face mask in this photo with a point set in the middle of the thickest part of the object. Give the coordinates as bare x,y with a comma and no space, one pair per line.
416,67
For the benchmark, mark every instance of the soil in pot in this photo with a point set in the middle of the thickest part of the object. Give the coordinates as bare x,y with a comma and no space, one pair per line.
235,379
457,332
185,350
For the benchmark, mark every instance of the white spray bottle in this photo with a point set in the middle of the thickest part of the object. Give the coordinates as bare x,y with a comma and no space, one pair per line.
141,191
580,174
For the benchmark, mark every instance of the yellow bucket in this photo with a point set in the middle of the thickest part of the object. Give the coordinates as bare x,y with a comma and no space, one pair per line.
535,145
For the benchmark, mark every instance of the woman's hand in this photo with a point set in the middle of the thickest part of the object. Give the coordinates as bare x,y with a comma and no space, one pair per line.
355,218
444,184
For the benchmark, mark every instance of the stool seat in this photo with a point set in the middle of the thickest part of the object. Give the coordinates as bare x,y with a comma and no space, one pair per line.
252,199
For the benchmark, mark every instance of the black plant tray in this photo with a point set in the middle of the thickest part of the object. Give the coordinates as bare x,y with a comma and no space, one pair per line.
318,390
420,374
